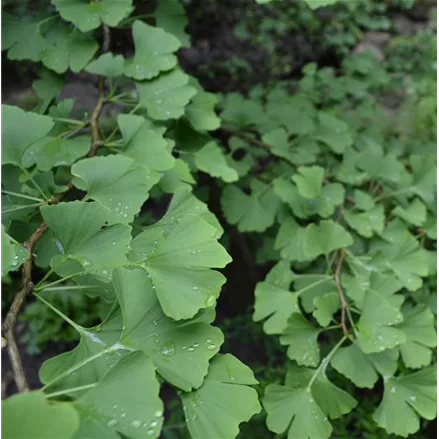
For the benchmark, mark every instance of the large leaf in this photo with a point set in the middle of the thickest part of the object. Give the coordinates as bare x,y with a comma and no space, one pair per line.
154,50
180,350
88,16
179,261
79,228
116,183
31,415
224,400
166,96
137,412
405,399
15,139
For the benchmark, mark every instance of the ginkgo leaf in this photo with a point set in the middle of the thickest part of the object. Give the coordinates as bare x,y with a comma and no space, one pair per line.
312,286
15,140
153,54
363,200
171,16
415,213
68,49
366,223
79,228
333,132
179,261
290,240
50,152
201,112
309,181
23,38
364,369
166,96
27,415
273,299
88,16
47,88
240,111
301,338
381,310
115,182
314,4
333,401
251,213
295,410
179,176
325,307
418,326
180,350
13,254
325,237
143,144
107,65
210,159
225,399
140,411
405,399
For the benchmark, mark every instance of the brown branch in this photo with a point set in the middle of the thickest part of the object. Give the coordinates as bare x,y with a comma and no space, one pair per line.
343,303
26,272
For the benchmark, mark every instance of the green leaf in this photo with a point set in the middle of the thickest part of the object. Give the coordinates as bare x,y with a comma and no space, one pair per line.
68,49
309,181
363,200
418,326
364,369
201,112
324,238
295,410
154,50
210,159
166,96
311,286
107,65
380,312
251,213
325,308
405,399
88,16
415,213
47,88
366,223
31,415
116,183
15,140
314,4
79,229
180,350
50,152
273,299
333,132
223,401
139,412
178,177
301,338
241,112
290,240
171,16
13,254
180,260
23,38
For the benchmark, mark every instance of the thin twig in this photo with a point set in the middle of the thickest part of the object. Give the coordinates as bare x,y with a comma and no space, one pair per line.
343,303
26,272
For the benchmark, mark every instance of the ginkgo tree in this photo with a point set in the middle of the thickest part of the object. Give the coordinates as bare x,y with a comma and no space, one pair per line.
347,223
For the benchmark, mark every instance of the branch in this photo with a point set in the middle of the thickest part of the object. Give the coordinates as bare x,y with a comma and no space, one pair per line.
343,303
26,272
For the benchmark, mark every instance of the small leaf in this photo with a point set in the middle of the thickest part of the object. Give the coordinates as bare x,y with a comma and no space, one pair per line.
309,181
171,16
13,254
210,159
325,307
107,65
314,4
290,240
154,50
166,96
366,223
415,213
201,112
223,401
405,399
241,112
31,415
333,132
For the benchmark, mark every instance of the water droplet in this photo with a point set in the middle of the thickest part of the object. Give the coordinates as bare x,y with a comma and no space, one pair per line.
210,301
123,414
136,424
154,424
195,288
155,322
150,432
168,349
211,347
115,406
191,349
158,414
208,340
112,422
196,345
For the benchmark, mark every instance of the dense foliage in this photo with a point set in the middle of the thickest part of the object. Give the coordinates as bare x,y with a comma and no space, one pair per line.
331,187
